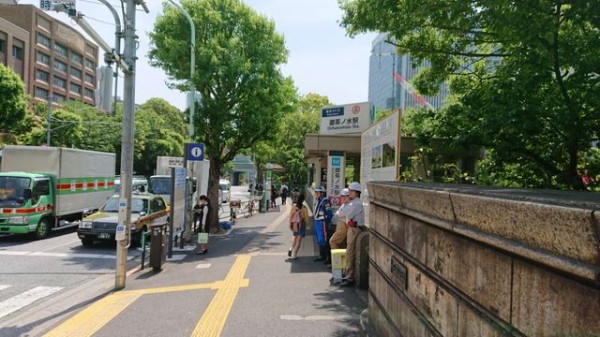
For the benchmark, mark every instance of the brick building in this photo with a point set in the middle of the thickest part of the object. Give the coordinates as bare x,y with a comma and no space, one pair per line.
53,59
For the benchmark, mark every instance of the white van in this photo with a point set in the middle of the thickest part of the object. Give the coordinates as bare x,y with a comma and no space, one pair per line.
224,190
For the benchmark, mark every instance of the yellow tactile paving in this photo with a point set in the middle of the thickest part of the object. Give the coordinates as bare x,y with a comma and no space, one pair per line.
213,320
93,318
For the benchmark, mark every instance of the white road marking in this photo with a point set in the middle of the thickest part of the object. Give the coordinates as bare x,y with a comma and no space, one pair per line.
203,266
4,286
313,318
66,255
15,303
176,257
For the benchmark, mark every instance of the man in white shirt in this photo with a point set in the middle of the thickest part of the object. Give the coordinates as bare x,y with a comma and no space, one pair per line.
355,220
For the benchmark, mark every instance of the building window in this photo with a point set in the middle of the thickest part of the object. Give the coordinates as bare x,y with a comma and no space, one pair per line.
88,93
60,66
75,72
76,58
43,40
58,98
75,88
59,82
60,49
42,75
90,64
2,47
18,52
41,93
42,58
89,78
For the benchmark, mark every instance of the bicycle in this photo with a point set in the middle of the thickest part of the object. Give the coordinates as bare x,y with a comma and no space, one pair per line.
250,208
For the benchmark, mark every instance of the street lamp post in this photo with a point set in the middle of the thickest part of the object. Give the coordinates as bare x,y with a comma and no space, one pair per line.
192,103
192,96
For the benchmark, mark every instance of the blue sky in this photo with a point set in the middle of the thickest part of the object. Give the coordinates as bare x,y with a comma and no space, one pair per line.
322,58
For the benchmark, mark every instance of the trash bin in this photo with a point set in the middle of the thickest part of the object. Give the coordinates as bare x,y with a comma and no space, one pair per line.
158,253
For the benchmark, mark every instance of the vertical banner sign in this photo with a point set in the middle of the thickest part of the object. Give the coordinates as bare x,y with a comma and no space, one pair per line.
335,173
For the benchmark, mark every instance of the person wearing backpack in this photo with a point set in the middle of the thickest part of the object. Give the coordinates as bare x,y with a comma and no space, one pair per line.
298,219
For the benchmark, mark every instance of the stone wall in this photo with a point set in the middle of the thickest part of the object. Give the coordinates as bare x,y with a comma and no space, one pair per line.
467,261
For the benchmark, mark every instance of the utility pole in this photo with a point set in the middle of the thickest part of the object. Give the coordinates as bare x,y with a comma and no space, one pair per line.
48,120
129,58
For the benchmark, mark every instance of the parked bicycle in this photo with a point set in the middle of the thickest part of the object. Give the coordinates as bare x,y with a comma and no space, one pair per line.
250,207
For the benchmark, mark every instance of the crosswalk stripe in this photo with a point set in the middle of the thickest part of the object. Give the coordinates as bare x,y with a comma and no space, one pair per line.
4,286
19,301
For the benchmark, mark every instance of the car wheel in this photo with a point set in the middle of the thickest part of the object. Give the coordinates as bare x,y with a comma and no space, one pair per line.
42,229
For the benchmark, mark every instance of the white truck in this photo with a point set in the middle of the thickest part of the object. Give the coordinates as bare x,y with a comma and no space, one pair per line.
45,188
160,183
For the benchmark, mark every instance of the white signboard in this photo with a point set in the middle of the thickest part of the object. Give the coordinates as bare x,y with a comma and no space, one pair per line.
380,152
335,173
178,205
56,4
349,118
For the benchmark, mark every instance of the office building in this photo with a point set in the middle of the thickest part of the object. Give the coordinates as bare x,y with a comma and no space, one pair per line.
390,76
53,59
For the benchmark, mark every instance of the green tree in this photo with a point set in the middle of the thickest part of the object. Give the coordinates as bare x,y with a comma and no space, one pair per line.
524,76
13,100
238,59
289,143
66,129
160,131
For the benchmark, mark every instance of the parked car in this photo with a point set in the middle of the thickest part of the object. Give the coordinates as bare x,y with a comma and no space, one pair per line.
138,184
146,210
224,190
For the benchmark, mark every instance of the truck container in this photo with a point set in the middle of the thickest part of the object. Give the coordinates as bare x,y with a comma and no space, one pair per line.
47,188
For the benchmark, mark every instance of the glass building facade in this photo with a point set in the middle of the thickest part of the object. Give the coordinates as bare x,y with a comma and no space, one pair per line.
390,76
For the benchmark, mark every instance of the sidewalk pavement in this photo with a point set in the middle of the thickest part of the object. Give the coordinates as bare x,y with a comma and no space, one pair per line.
242,287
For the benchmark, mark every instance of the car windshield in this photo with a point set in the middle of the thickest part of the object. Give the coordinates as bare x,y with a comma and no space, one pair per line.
160,185
12,190
138,205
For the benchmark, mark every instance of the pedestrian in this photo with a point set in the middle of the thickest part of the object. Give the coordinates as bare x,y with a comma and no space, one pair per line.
338,239
322,212
295,194
298,219
202,209
355,220
273,196
284,193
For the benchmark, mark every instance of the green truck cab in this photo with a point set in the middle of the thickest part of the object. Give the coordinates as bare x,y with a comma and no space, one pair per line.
46,188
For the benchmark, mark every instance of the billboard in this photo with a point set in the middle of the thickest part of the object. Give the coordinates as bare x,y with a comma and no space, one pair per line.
380,152
349,118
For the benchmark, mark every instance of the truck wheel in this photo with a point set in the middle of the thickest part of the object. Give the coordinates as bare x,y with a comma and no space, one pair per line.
87,242
42,229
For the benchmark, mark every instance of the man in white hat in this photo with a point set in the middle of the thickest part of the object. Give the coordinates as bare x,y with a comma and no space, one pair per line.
320,213
355,220
338,238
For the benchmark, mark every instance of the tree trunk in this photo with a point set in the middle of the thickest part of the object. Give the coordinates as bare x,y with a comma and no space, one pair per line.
213,193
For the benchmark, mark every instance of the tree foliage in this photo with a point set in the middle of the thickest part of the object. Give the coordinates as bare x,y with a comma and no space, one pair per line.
13,100
524,76
290,141
238,55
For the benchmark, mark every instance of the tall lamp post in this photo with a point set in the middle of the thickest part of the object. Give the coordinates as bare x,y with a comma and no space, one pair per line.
191,96
192,103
